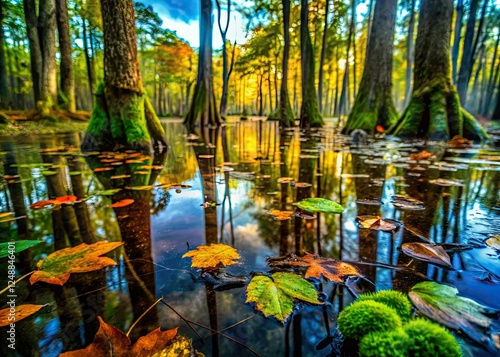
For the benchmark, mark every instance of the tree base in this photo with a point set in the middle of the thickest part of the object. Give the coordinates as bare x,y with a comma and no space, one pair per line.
203,110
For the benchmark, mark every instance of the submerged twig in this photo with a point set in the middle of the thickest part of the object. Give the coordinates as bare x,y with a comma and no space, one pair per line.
15,282
144,313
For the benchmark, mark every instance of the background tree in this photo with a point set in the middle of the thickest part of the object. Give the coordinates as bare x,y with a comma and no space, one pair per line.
66,66
122,113
203,109
373,105
4,91
285,111
225,70
434,112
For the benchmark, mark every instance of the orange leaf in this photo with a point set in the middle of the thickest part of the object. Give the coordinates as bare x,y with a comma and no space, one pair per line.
458,142
332,269
122,203
379,129
110,341
281,215
21,312
57,267
42,204
100,169
210,256
66,199
424,155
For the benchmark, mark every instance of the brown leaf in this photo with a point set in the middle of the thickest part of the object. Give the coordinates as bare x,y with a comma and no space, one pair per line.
424,155
332,269
210,256
57,267
110,341
376,223
122,203
21,312
430,253
458,142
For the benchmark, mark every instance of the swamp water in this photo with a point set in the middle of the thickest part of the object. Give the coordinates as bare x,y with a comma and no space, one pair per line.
221,190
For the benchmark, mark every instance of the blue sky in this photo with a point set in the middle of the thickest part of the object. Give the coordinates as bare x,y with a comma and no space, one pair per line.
182,16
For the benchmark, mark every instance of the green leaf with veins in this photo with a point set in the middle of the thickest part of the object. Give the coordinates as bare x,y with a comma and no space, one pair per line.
317,204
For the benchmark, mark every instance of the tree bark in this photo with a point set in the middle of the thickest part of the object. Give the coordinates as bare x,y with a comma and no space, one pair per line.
225,72
90,76
456,39
4,90
66,67
322,58
434,112
285,109
410,49
36,58
492,77
123,114
309,113
496,112
373,105
47,29
203,111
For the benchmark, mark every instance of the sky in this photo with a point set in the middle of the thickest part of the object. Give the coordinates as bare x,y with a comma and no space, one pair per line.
182,16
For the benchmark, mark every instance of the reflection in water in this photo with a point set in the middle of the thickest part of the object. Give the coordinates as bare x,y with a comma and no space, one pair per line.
233,177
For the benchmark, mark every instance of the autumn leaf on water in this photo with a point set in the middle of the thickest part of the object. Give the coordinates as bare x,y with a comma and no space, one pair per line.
65,199
376,223
493,242
458,142
424,155
332,269
427,252
101,169
275,295
281,215
285,179
317,204
210,256
42,204
122,203
57,267
21,312
110,341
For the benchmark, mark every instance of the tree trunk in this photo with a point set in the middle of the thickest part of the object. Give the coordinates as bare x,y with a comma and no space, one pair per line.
36,58
4,90
456,39
434,112
47,30
492,77
66,67
353,22
203,111
467,54
225,72
322,58
345,88
286,115
123,114
410,49
496,112
90,76
373,105
309,113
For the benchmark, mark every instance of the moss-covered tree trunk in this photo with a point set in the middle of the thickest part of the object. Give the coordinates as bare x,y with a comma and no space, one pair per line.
123,114
66,67
285,111
309,113
373,105
203,110
434,112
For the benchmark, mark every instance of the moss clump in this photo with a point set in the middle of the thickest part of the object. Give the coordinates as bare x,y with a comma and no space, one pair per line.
384,344
364,317
392,298
429,339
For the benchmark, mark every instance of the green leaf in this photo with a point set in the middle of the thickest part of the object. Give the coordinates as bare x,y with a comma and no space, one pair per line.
20,245
274,296
441,303
319,205
109,192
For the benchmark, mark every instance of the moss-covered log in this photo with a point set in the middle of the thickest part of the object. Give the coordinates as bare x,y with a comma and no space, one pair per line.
434,112
373,105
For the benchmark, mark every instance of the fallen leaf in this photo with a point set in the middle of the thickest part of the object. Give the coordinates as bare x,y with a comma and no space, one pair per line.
122,203
19,246
21,312
65,199
109,192
281,215
446,182
407,203
302,184
152,167
427,252
110,341
376,223
304,214
379,129
285,179
275,295
42,204
458,142
101,169
441,303
332,269
139,188
493,242
319,205
205,156
424,155
210,256
369,201
57,267
118,177
6,214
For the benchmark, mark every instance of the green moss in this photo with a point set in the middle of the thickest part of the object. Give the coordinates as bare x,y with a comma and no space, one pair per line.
365,317
134,120
392,298
384,344
429,339
472,129
99,123
438,117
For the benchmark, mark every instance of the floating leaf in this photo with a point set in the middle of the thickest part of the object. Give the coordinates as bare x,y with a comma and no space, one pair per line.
458,142
42,204
407,203
441,303
210,256
302,184
424,155
304,214
118,177
285,179
493,242
21,312
376,223
19,246
110,341
205,156
274,295
139,188
6,214
281,215
65,199
369,201
75,173
48,172
101,169
152,167
109,192
57,267
427,252
319,205
122,203
332,269
446,182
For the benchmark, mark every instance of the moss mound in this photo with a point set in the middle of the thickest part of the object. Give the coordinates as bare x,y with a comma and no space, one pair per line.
364,317
428,339
384,344
394,299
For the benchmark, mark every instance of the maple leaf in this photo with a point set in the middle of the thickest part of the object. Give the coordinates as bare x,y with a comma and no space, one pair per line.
21,312
210,256
110,341
332,269
274,295
281,215
57,267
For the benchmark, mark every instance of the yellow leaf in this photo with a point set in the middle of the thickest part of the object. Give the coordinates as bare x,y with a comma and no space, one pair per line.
210,256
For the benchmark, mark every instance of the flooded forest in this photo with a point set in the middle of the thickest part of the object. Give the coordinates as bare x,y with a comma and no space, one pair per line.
250,178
